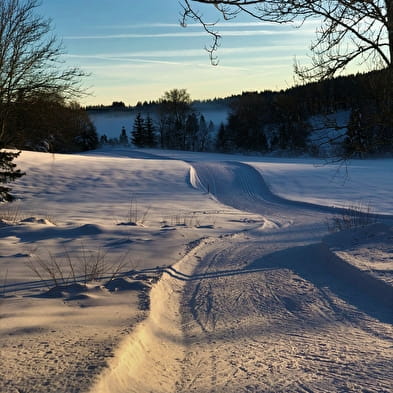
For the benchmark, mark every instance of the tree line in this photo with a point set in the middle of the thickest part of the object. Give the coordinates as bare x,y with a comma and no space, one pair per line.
348,33
175,125
275,120
283,120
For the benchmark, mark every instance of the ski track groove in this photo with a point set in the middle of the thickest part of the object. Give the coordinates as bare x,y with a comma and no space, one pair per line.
274,331
314,353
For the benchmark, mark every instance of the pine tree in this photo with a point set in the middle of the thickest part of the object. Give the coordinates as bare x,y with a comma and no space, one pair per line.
8,173
357,141
103,139
191,132
222,141
150,137
138,131
123,138
204,133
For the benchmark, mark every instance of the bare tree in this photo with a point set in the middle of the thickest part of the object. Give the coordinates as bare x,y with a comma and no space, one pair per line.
349,30
30,59
30,65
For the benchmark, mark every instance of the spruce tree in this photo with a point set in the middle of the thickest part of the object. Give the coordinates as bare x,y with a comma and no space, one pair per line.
191,132
8,173
150,137
103,139
222,138
138,131
123,138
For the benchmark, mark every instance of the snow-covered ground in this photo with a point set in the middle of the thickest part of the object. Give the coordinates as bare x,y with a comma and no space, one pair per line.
229,280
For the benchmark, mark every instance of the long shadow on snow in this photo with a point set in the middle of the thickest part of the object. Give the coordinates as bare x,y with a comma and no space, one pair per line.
127,153
48,283
318,265
50,232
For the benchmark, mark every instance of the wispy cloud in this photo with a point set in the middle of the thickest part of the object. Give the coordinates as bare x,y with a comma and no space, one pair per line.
229,33
182,53
177,25
122,59
309,23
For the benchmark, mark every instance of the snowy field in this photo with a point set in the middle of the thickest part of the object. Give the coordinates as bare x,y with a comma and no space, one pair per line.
210,273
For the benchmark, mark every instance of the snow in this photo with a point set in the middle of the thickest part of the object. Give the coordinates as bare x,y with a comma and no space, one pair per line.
358,182
229,279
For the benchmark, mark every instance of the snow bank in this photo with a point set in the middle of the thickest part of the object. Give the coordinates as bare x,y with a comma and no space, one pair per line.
149,360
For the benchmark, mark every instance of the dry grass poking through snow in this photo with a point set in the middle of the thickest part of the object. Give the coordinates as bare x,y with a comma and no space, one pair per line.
135,215
197,219
353,216
84,267
10,213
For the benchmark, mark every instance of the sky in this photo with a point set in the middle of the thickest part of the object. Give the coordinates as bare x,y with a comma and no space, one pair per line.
135,50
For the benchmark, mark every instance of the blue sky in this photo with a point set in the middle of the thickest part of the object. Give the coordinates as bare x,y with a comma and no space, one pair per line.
135,50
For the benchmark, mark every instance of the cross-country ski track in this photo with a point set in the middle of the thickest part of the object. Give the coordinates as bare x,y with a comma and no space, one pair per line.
270,309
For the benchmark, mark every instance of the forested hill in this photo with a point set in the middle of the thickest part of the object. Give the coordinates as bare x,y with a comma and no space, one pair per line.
352,114
343,92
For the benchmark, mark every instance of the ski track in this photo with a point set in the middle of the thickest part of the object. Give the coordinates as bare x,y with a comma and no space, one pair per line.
241,186
277,330
263,310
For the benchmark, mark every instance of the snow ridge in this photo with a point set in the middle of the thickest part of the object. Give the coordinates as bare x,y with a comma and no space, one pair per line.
150,358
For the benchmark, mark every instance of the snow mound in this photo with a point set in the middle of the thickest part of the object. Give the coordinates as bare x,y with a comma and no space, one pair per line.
369,249
195,181
268,224
36,220
65,291
359,235
88,229
126,284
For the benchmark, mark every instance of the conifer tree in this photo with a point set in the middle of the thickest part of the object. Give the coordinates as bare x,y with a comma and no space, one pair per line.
191,131
123,138
138,131
150,137
222,141
8,173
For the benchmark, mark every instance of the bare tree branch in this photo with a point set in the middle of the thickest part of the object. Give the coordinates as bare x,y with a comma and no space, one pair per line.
30,59
350,30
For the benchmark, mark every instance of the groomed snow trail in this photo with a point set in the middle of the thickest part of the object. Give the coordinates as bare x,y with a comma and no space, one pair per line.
260,320
265,310
241,186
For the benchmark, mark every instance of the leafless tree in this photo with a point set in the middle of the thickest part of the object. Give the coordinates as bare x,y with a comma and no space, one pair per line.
30,59
30,66
349,30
